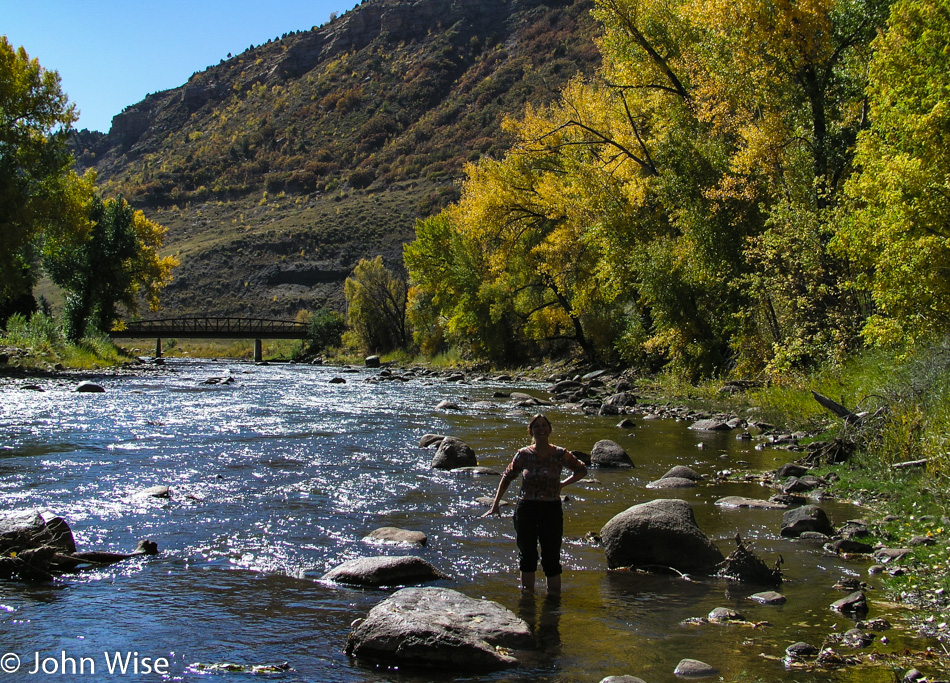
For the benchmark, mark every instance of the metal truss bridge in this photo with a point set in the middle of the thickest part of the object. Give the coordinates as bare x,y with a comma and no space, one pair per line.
208,327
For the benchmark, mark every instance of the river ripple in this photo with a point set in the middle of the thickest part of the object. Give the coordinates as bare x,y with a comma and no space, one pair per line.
276,477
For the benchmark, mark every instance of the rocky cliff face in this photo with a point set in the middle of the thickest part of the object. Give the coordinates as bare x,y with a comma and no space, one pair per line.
297,147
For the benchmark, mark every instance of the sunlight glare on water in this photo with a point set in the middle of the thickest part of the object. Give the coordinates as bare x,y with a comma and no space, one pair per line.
277,477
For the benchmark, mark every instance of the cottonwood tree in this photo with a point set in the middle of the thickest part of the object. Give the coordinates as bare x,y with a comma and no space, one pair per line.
115,263
687,191
899,233
375,307
39,195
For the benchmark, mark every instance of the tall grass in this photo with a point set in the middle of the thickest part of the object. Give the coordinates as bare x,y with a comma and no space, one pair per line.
43,338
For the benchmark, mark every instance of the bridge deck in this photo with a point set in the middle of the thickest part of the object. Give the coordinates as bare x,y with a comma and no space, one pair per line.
213,328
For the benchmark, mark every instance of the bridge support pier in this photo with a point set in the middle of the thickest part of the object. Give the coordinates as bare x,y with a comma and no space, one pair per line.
258,351
158,347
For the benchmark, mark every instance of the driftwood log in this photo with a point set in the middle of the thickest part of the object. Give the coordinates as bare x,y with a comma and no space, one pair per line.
745,566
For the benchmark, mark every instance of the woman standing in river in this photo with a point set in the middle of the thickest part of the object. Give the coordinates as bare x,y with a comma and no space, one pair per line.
538,516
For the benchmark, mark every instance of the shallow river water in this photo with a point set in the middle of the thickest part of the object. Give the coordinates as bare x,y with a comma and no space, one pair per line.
278,476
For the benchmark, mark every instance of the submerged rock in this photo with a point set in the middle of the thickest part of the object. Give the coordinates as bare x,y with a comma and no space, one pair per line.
743,502
439,628
477,471
710,426
801,649
672,483
722,615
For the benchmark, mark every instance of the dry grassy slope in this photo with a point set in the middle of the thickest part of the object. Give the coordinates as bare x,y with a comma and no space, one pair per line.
276,170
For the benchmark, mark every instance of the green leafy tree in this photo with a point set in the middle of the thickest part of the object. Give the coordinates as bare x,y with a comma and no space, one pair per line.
376,307
326,330
451,300
899,234
37,191
114,263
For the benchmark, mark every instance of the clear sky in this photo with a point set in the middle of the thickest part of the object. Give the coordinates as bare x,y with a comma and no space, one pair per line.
112,53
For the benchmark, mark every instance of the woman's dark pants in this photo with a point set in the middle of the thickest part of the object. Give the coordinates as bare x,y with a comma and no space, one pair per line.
539,522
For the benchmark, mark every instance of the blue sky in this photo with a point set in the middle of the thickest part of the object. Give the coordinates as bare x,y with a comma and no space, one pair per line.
110,54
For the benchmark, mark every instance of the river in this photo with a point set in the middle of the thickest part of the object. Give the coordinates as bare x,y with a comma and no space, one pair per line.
276,478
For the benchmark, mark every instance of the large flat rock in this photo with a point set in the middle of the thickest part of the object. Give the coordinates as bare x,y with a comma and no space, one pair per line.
440,628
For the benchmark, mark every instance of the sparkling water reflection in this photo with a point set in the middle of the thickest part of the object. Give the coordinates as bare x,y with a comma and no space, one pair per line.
277,477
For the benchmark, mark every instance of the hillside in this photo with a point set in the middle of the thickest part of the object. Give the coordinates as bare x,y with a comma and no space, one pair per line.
276,170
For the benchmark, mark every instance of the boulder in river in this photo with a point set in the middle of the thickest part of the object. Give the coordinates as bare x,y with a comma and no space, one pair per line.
431,440
856,603
384,571
682,472
23,529
454,453
439,628
607,453
396,536
693,668
797,521
157,491
659,534
36,545
768,598
89,388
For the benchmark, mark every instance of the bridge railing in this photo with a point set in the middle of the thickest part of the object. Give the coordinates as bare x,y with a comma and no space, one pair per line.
214,328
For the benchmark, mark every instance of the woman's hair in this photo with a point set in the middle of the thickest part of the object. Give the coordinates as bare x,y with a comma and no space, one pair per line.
536,418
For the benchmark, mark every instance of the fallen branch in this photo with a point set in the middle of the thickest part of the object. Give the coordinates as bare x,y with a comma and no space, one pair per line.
910,463
836,408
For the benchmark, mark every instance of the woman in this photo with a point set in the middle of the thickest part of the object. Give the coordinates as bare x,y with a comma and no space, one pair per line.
538,516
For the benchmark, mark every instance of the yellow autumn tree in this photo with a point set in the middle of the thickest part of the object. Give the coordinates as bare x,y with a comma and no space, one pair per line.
899,233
